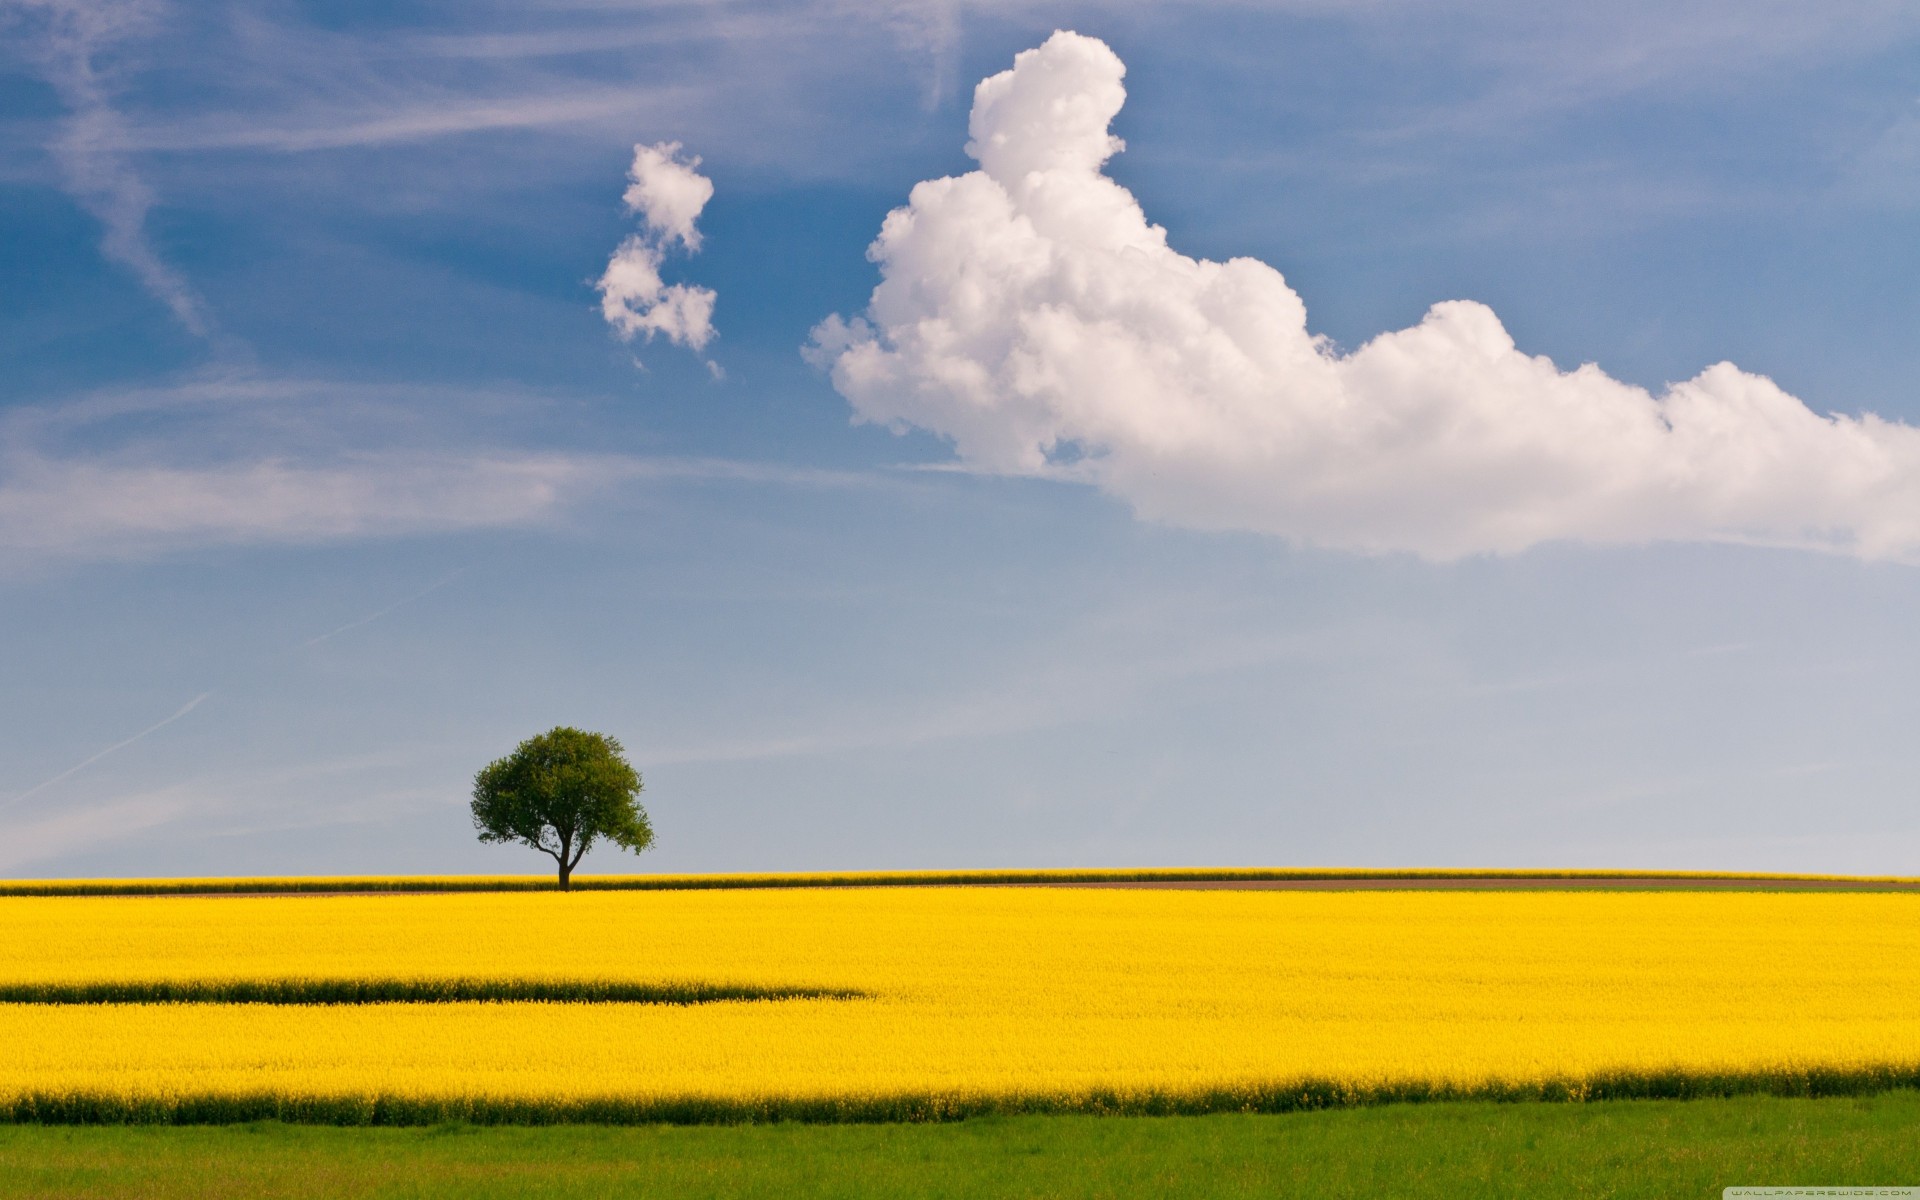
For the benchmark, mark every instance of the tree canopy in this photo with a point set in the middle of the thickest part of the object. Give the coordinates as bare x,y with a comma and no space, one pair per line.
560,792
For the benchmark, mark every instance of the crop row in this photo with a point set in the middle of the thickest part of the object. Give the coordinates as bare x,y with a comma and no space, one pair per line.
543,883
106,1107
402,991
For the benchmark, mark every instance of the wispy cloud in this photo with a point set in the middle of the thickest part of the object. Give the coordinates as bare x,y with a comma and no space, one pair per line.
83,764
168,812
68,41
414,120
760,73
757,74
235,460
1885,172
76,508
83,828
678,25
225,803
371,617
1097,676
931,31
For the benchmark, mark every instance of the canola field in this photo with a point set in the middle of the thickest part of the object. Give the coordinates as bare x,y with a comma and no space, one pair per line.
935,1002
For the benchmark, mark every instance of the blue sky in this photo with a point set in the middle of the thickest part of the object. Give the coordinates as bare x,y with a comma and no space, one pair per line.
310,427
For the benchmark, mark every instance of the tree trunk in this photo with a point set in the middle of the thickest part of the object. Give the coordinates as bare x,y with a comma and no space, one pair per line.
566,876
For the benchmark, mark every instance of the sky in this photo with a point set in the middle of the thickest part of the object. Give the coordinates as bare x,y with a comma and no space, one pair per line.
933,435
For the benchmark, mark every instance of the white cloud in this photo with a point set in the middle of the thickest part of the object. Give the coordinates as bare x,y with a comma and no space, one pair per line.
383,121
74,34
634,299
78,508
668,195
97,755
236,459
1030,313
1886,172
71,829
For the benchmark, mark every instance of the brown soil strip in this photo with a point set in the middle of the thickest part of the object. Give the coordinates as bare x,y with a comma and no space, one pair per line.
1358,882
1462,883
1497,883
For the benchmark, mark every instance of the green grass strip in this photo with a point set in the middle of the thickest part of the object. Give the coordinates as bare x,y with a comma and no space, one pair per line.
1606,1151
799,879
98,1107
401,991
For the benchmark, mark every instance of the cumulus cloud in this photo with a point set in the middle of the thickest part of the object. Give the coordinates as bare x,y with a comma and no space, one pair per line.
1030,313
667,194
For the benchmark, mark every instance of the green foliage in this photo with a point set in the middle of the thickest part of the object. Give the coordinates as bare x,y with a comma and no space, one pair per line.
560,792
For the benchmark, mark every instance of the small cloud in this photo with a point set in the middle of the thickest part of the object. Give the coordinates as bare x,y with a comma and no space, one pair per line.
668,194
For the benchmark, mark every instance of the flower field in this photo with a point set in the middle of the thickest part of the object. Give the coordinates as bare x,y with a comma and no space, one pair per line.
927,1002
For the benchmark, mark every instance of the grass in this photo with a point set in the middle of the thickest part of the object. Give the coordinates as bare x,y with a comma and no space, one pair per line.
295,885
1656,1148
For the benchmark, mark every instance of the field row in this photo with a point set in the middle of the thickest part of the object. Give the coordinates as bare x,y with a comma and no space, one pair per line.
111,1105
404,991
349,884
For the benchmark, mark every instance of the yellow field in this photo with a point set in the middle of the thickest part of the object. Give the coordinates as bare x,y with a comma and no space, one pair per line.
971,999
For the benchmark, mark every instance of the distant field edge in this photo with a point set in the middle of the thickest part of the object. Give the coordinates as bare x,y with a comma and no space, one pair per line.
1171,877
188,1108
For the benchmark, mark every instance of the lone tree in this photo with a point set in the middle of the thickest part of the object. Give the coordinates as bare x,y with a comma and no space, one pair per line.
560,792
